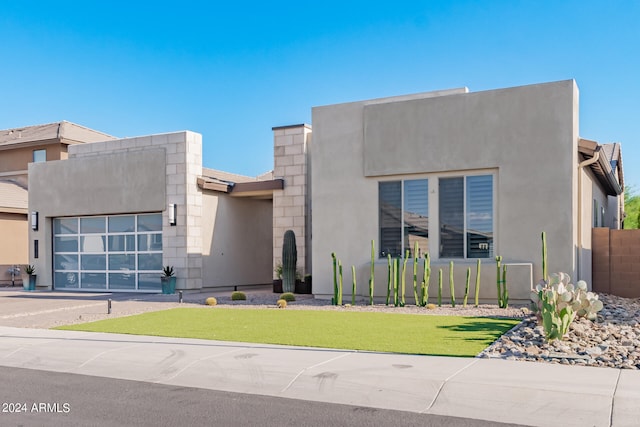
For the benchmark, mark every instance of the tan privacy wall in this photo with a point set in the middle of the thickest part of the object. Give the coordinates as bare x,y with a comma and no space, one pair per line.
616,262
14,231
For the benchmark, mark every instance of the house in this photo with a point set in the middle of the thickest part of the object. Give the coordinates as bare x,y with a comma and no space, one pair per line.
112,214
18,148
468,176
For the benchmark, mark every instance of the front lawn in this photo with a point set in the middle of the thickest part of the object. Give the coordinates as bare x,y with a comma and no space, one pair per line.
384,332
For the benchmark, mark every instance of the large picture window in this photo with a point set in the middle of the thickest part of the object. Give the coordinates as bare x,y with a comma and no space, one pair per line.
464,206
122,252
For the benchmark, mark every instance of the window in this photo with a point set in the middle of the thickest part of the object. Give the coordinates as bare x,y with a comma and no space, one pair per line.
39,156
403,216
466,216
464,206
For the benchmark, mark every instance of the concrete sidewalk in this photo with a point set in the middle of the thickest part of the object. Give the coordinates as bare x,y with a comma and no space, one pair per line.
495,390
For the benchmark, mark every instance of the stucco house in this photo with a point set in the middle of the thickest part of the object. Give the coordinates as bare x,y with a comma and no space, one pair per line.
19,147
467,175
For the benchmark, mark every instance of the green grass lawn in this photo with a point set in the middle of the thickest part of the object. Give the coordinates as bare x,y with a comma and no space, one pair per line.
385,332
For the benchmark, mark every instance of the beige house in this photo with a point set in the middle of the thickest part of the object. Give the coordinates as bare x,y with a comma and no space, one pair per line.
18,148
466,175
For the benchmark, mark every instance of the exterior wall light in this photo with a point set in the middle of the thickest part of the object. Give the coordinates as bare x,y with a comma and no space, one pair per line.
34,221
173,213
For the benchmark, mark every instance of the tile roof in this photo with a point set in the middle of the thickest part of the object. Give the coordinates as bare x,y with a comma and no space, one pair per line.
13,197
60,131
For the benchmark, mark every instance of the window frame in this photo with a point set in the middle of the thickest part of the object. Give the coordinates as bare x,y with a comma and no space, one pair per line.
434,207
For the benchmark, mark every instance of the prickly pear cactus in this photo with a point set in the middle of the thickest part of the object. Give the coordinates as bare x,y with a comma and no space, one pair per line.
289,261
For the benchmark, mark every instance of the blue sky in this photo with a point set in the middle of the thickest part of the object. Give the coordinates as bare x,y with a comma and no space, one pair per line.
233,71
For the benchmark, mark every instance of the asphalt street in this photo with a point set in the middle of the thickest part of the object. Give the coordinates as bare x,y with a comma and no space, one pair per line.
41,398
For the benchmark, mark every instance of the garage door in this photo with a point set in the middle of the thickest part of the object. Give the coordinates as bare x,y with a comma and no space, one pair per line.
118,253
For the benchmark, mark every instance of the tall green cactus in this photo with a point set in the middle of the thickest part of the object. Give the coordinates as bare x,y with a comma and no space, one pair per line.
389,277
396,280
453,294
477,282
426,276
415,273
353,286
339,298
545,276
334,300
404,269
501,283
371,281
289,261
440,287
466,287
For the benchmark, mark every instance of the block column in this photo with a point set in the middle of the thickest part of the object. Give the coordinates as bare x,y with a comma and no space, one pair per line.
291,206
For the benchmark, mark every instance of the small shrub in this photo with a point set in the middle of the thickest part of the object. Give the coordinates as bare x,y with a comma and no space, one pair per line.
281,303
211,301
431,306
288,296
238,296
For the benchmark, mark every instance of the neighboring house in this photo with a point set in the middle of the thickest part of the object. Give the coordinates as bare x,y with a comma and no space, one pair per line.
18,148
467,175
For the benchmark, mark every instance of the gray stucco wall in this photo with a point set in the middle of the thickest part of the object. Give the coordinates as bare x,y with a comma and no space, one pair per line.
237,241
526,135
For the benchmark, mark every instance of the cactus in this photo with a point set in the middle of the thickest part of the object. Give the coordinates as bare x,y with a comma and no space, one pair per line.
334,300
440,287
339,297
466,287
238,296
288,296
453,295
544,257
371,282
396,277
501,283
211,301
425,280
404,269
389,278
415,274
477,282
289,261
281,303
353,286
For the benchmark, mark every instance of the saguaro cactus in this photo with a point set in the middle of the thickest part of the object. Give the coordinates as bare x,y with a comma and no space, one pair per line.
477,282
453,293
426,275
289,261
371,281
545,277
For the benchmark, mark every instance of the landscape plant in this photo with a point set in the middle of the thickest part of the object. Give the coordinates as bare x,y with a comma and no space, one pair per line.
389,277
281,303
439,287
557,303
372,272
404,270
353,287
288,296
426,276
466,287
289,261
477,282
452,290
415,274
238,296
501,283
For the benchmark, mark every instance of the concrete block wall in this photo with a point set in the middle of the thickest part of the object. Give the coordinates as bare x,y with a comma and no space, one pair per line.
182,243
616,262
291,206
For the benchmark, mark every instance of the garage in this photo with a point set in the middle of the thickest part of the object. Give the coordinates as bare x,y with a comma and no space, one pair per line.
108,253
